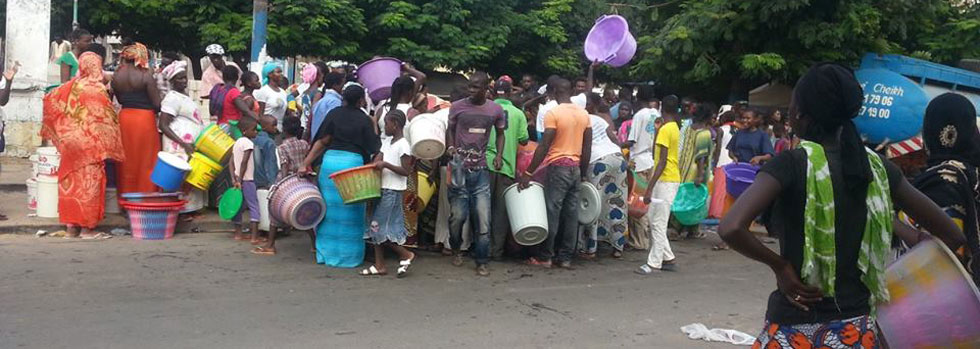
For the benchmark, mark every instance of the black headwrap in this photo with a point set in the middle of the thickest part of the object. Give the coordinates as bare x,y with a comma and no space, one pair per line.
830,96
949,130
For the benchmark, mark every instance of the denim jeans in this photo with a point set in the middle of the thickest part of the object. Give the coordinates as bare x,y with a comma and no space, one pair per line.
500,226
561,197
471,201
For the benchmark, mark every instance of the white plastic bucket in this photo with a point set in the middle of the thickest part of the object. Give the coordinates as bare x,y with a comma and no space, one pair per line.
32,194
34,169
528,214
590,203
427,136
47,196
264,222
48,160
112,201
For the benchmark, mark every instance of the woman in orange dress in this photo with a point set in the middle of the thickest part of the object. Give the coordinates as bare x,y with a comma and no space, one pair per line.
136,89
81,122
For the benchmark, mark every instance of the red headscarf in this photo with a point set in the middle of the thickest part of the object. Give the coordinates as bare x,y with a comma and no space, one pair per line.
138,54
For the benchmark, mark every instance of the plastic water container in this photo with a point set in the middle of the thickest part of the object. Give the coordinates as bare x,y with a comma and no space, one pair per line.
738,177
47,196
427,137
691,204
264,222
527,213
48,161
377,75
169,171
32,194
610,41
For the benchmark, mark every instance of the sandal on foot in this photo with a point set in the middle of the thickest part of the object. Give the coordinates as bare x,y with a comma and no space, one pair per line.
403,267
537,263
617,254
372,271
264,251
586,256
719,247
458,260
646,269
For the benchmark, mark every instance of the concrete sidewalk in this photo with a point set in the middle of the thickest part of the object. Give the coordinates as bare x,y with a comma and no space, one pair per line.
14,173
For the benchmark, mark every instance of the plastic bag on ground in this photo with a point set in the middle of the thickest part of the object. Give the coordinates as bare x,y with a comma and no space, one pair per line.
700,331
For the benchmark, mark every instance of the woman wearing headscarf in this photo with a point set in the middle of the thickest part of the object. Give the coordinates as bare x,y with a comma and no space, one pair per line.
696,155
272,97
951,137
81,122
346,139
180,122
309,92
136,89
831,205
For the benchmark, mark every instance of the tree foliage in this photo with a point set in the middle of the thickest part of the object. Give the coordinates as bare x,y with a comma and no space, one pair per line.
728,44
710,46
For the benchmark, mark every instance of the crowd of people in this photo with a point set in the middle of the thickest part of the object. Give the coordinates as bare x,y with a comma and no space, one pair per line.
832,203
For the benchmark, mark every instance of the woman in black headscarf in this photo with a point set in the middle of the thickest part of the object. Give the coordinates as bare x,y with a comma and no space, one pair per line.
845,192
953,142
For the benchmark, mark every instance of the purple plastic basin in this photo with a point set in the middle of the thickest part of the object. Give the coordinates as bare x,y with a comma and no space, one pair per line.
377,75
738,177
610,41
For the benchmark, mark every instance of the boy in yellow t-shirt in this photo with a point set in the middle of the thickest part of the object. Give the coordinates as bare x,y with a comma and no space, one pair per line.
663,187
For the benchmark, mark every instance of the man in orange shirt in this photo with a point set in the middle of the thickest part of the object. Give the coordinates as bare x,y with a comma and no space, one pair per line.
567,142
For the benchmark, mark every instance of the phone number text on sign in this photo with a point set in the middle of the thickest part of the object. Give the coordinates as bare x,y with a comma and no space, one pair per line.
879,99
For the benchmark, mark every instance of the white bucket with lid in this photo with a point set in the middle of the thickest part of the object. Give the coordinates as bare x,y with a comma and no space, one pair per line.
48,160
47,196
528,214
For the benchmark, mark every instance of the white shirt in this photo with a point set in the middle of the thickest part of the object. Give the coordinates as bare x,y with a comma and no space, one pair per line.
641,133
542,110
404,107
580,100
601,144
392,154
275,102
726,136
187,122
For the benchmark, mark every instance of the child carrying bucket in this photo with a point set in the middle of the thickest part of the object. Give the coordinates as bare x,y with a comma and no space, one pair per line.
388,223
291,153
243,177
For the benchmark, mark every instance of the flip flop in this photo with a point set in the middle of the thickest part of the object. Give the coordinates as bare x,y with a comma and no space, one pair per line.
259,250
403,267
372,271
97,236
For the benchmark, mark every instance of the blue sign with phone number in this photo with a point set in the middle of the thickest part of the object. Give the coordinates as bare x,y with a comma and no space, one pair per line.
893,106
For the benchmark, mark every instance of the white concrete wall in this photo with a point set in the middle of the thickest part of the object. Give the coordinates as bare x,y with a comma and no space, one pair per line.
28,31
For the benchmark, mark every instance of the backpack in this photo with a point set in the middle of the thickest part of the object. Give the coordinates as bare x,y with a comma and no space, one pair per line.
216,99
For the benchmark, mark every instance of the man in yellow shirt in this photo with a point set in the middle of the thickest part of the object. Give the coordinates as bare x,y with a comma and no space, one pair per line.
662,189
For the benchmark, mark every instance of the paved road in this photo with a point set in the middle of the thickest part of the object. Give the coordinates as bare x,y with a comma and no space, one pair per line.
207,291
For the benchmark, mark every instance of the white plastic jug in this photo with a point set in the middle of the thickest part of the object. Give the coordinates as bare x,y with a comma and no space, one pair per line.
528,213
47,196
264,222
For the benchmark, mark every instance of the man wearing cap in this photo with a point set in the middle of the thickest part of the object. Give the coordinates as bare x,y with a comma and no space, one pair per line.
516,133
212,75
